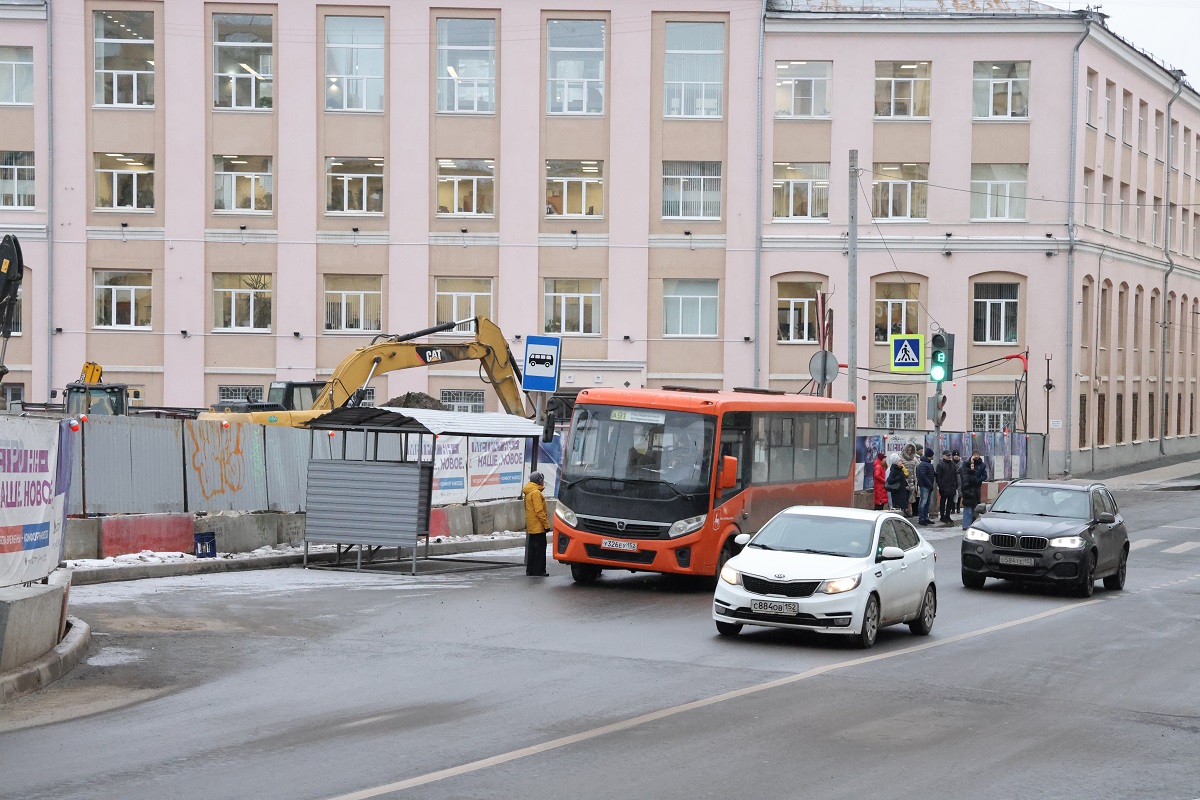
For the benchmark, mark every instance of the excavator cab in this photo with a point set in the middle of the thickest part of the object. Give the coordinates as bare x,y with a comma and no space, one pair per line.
90,395
294,395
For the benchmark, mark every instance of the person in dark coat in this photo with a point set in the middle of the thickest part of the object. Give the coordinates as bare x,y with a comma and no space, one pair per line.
926,483
536,525
958,468
897,486
974,476
946,478
880,475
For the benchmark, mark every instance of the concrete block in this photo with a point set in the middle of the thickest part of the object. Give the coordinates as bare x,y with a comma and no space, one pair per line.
171,533
291,528
29,622
502,515
82,538
241,533
459,520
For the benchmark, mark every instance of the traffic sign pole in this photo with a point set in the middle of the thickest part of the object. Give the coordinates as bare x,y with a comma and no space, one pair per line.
937,430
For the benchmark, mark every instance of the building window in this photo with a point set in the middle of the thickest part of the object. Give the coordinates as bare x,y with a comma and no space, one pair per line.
1106,193
469,401
1133,416
124,53
895,309
1139,217
243,57
124,180
16,179
1127,118
995,313
797,309
572,306
802,88
1089,192
1143,128
902,89
575,66
354,185
1120,419
1110,108
998,191
466,186
466,66
574,188
896,411
122,299
1122,209
13,393
354,63
459,299
992,412
242,183
689,307
353,303
16,76
1083,421
229,394
694,69
241,301
800,191
1089,103
691,190
1001,89
901,191
16,314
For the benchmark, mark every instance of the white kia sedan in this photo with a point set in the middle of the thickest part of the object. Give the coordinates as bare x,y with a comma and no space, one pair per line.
832,570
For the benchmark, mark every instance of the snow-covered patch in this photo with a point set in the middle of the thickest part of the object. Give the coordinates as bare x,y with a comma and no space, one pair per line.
114,656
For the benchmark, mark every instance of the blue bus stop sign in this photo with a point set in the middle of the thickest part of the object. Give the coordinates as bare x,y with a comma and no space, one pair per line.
542,357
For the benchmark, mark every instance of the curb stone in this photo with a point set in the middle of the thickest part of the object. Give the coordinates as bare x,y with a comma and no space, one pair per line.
43,671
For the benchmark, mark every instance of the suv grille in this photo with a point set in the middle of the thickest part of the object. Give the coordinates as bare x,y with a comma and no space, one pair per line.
1034,542
633,530
785,588
1010,542
1003,540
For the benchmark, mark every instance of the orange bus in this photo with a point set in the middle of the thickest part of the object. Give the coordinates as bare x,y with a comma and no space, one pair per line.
663,480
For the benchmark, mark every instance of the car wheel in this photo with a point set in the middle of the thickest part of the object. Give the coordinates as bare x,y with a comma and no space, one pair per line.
923,624
585,574
973,581
729,628
1087,580
870,624
1116,581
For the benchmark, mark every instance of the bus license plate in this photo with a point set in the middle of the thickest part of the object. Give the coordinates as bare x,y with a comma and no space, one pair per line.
617,544
772,607
1017,561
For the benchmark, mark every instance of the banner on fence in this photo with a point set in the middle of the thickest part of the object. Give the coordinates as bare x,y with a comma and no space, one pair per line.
495,468
35,477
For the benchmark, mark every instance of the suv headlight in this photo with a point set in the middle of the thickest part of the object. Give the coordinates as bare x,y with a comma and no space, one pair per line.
975,535
840,585
1068,541
566,514
731,575
686,526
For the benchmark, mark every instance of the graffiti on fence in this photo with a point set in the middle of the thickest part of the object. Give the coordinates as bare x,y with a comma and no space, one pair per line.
217,457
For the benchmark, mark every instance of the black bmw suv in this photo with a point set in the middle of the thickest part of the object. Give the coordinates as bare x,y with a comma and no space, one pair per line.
1051,532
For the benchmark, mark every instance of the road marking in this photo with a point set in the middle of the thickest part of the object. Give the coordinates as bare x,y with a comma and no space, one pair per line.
654,716
1181,527
1182,548
1140,543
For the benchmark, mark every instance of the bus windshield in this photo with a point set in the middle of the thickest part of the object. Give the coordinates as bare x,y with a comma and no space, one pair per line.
641,445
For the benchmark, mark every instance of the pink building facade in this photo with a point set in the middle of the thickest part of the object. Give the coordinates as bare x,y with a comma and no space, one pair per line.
223,194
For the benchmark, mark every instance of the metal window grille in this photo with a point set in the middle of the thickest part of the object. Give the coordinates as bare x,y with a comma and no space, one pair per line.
463,400
896,411
993,412
251,394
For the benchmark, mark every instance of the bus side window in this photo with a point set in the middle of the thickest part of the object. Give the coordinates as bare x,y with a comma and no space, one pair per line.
735,434
828,438
761,444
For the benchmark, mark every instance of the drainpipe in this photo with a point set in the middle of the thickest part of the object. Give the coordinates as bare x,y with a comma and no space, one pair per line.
50,202
758,203
1088,18
1162,371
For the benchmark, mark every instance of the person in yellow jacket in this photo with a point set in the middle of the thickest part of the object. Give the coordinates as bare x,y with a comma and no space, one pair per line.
536,525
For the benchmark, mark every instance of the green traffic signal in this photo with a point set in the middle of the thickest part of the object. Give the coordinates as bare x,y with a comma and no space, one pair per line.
937,373
941,357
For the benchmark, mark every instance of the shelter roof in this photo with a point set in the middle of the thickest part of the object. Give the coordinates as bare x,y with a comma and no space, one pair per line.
422,420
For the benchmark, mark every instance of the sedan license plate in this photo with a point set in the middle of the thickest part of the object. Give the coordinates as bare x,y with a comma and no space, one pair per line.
772,607
617,544
1017,561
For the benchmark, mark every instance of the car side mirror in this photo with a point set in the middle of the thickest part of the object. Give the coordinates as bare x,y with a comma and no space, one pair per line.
729,468
741,539
981,509
1107,518
890,554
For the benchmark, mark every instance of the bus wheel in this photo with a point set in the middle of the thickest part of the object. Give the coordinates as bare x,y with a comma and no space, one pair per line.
585,574
726,554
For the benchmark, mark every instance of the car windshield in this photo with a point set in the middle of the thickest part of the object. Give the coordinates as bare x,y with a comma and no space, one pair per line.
1047,501
802,533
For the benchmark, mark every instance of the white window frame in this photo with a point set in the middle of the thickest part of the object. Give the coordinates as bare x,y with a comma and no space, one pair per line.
366,182
1000,197
892,305
17,327
482,88
458,298
474,182
995,313
696,99
336,84
464,401
812,84
815,189
568,88
116,174
890,408
693,188
802,310
116,293
571,303
564,183
254,77
992,412
14,176
228,180
20,73
912,82
223,297
704,304
227,393
896,189
1010,83
134,76
1143,125
346,298
1127,118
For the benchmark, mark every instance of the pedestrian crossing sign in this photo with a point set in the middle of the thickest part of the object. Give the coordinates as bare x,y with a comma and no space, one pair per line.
908,352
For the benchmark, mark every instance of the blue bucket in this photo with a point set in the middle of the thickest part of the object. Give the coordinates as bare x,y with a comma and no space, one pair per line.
206,545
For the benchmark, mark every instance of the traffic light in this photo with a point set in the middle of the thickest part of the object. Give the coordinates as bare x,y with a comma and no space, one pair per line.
937,404
941,357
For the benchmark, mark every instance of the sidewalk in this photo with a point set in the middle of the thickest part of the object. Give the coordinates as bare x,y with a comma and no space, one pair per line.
1174,472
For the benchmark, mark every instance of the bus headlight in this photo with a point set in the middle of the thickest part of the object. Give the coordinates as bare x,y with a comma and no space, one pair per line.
566,514
686,526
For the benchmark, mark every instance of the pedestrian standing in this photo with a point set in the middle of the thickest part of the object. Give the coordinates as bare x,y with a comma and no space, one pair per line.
974,476
880,476
897,484
536,525
926,482
958,470
946,477
911,462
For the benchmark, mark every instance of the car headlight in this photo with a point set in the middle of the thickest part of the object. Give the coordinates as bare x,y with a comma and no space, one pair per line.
1068,541
566,514
731,575
840,585
686,526
975,535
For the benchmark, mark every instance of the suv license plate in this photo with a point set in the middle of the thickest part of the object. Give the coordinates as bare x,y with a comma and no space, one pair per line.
771,607
617,544
1018,561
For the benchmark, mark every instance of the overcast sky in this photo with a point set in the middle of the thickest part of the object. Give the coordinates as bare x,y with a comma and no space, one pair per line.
1166,28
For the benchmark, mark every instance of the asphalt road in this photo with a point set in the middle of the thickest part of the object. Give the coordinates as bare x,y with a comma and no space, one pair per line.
293,684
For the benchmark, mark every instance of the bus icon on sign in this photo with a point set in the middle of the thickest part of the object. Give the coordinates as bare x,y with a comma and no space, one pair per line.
541,359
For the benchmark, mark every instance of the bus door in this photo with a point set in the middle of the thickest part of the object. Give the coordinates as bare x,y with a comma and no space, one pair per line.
735,438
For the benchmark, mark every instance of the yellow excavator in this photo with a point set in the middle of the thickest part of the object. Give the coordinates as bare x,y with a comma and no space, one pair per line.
294,403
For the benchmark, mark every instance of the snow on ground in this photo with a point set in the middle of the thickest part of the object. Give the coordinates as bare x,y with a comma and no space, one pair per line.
114,656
